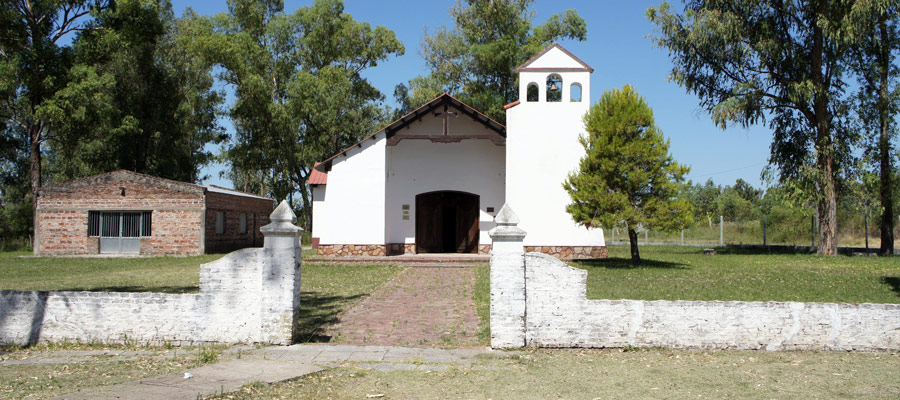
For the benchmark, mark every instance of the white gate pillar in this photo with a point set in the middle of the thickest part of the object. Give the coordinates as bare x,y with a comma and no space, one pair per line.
507,281
280,276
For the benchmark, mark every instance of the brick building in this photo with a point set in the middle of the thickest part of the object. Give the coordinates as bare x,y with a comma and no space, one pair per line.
131,213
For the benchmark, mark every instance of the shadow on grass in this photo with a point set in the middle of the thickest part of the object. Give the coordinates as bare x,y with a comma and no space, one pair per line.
625,263
316,311
893,282
760,250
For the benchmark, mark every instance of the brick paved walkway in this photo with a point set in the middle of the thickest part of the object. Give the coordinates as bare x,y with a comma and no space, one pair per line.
421,306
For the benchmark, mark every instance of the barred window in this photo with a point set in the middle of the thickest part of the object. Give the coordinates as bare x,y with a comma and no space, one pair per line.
93,223
146,223
119,224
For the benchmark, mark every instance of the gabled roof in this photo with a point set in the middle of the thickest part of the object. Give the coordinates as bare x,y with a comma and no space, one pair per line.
124,175
526,65
319,173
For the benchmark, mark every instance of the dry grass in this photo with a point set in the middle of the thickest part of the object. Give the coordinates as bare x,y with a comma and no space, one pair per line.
614,374
45,380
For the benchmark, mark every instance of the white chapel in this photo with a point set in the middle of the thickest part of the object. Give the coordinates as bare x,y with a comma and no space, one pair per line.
433,180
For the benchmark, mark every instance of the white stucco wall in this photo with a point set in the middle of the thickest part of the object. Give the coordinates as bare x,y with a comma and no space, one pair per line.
350,208
542,149
475,166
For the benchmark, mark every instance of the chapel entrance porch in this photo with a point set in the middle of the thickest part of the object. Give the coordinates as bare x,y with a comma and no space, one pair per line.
447,222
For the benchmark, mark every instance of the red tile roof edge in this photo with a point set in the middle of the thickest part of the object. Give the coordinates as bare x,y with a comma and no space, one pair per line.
511,105
317,177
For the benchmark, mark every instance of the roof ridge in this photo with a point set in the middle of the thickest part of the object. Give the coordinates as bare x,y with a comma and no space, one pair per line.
547,49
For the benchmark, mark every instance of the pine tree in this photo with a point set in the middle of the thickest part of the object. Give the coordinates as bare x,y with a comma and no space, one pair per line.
627,176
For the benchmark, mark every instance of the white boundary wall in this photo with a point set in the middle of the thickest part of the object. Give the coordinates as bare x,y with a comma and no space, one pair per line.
250,295
556,313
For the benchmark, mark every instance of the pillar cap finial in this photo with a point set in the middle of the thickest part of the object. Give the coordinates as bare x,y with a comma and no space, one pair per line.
282,224
506,229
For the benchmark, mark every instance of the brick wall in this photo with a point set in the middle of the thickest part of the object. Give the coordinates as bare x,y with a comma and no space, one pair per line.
62,216
233,206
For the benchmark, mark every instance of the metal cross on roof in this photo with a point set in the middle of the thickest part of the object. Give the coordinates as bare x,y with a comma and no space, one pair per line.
446,114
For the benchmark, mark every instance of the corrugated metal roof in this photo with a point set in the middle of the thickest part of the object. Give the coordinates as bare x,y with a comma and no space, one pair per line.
234,192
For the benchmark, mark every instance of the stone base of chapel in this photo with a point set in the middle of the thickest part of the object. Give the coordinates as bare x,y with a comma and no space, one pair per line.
571,252
395,249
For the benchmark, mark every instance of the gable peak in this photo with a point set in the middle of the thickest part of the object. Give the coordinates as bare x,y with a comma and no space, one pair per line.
554,57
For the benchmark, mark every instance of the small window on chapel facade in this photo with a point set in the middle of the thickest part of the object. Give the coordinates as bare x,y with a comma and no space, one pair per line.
554,88
575,93
532,94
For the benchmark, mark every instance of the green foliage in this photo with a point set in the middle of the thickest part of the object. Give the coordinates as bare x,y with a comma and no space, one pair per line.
124,94
136,100
34,67
877,100
750,61
299,93
476,59
627,176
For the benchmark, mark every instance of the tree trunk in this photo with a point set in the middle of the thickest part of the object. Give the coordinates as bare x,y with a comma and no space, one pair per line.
635,254
884,149
34,156
826,207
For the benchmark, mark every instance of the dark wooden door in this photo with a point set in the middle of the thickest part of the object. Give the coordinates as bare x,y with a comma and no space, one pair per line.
447,222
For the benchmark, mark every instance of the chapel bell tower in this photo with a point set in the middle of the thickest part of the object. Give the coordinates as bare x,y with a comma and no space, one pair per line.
542,147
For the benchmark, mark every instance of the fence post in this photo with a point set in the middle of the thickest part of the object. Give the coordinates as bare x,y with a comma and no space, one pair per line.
281,267
867,232
765,243
721,230
682,236
812,230
647,236
613,235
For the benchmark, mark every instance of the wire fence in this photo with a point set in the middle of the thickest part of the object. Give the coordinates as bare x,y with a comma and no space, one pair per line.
852,232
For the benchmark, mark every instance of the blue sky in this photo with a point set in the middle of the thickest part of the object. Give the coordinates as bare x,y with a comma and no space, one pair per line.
617,47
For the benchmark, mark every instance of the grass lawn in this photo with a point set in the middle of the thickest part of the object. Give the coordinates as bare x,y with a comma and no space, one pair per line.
613,374
482,297
140,274
684,273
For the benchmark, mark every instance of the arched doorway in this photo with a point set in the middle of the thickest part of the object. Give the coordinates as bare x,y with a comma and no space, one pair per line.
446,222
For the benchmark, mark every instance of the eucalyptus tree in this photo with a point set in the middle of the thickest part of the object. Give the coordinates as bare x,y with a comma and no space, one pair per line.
135,100
781,62
299,95
874,59
35,62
